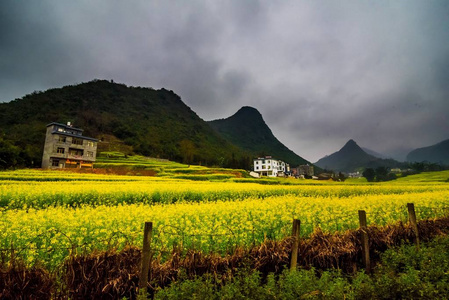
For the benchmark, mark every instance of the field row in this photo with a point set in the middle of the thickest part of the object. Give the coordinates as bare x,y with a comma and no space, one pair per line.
18,195
49,234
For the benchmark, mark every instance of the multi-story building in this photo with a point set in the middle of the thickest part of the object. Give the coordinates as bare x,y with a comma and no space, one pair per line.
268,166
66,147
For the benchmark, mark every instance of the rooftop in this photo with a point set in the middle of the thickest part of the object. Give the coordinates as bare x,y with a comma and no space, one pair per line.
68,130
67,126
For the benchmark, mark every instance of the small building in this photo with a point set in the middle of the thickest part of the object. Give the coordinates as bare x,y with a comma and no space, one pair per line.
271,167
66,147
306,170
303,171
355,174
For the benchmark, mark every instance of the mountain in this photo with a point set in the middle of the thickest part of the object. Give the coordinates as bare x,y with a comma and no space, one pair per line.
351,158
146,121
438,153
247,130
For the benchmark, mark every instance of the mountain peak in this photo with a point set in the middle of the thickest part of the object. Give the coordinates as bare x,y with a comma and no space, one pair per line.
346,159
351,144
247,129
247,108
352,149
248,112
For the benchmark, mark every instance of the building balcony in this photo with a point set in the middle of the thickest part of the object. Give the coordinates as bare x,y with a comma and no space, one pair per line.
59,155
72,156
77,146
80,157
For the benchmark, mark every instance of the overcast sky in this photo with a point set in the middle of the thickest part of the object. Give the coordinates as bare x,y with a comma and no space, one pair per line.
320,72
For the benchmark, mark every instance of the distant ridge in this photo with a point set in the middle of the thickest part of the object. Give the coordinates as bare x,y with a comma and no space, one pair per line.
438,153
247,130
352,157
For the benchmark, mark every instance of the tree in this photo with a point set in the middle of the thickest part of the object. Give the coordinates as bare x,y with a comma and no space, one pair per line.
9,155
369,174
187,149
381,173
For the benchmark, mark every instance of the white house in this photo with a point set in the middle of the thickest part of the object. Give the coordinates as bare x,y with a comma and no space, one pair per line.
268,166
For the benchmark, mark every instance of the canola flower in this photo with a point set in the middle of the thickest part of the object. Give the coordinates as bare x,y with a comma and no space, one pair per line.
46,215
49,235
114,190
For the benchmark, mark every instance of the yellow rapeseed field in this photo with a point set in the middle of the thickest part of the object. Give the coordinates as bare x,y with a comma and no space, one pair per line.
46,220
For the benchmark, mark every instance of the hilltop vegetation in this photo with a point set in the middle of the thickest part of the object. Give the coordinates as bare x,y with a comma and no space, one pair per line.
145,121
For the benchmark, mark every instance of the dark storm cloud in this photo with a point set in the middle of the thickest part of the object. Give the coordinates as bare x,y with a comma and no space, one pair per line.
320,72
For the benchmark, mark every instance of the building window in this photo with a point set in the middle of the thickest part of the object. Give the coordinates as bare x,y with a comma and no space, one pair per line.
257,168
62,139
90,144
76,141
55,163
60,150
89,154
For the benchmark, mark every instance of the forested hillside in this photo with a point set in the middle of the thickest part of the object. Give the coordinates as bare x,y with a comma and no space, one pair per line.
438,153
247,129
146,121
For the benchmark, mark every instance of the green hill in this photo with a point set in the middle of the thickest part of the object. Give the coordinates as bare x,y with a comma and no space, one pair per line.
351,158
142,120
247,130
438,153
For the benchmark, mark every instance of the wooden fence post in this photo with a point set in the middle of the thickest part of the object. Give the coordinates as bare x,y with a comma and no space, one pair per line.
295,234
412,219
146,256
365,241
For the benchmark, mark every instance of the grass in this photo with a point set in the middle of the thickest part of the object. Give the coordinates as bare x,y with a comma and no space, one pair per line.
403,273
425,177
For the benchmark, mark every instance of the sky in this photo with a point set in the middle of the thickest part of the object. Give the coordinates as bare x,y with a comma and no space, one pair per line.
319,72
